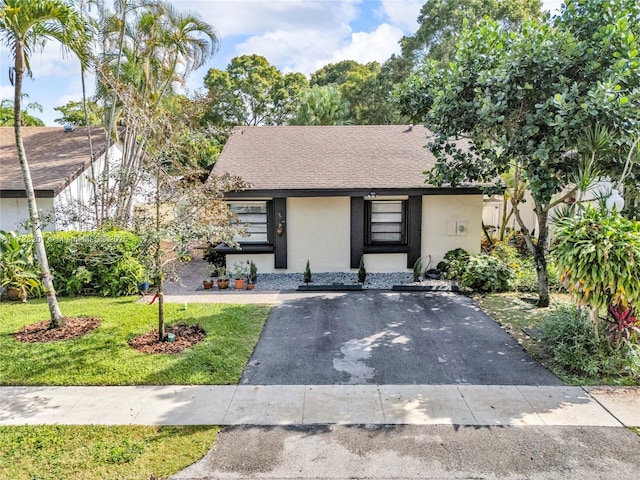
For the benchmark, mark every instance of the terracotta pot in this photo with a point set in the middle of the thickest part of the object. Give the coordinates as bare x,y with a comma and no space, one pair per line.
251,286
13,294
239,284
223,284
207,284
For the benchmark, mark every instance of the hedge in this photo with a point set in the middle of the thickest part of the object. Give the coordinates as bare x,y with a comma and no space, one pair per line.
106,263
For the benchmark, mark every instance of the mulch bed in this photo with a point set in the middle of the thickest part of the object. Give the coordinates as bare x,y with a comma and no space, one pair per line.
41,333
186,336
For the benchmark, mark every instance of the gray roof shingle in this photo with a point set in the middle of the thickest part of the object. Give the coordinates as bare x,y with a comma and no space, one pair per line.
55,157
328,157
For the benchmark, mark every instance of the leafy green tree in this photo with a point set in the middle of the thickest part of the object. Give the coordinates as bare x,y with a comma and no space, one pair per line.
321,105
441,21
522,99
26,27
26,119
251,91
74,113
365,87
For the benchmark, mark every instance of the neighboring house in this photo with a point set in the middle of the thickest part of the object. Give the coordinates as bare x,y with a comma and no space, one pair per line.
331,194
59,162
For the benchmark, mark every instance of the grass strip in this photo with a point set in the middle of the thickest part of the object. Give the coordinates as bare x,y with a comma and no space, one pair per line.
103,356
66,452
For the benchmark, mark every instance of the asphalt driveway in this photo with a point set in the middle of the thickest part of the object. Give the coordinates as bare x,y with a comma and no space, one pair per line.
388,338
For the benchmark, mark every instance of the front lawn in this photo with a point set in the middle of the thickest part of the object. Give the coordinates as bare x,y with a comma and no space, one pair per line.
103,356
89,452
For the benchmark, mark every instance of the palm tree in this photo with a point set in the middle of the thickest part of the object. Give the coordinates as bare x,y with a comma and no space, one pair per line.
25,27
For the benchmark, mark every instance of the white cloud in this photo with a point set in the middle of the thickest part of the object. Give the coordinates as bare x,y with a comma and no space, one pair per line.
6,92
257,17
552,5
365,47
402,13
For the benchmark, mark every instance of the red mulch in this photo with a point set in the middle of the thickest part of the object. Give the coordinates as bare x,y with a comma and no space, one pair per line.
186,336
41,333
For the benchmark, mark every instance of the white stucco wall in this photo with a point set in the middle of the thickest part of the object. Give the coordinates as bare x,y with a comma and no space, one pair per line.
14,211
442,217
76,195
263,261
385,262
319,230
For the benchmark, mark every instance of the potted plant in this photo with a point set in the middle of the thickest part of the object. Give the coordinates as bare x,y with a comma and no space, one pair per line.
17,278
207,283
18,273
223,278
240,273
253,275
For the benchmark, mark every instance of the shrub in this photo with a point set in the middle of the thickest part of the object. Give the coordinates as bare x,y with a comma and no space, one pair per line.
454,263
214,257
599,256
569,337
485,273
109,263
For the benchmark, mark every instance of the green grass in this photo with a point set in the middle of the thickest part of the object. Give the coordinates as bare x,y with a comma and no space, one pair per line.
103,357
89,452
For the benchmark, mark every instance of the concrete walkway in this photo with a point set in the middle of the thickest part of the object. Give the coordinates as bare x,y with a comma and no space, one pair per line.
322,404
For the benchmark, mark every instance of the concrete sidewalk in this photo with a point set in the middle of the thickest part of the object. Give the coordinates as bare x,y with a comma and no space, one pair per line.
322,404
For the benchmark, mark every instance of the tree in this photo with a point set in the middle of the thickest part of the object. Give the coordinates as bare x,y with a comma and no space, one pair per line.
366,89
26,119
157,48
251,91
74,113
185,204
26,27
522,99
441,21
321,105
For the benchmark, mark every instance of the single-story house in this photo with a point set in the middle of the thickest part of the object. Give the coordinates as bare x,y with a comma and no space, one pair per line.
333,194
59,161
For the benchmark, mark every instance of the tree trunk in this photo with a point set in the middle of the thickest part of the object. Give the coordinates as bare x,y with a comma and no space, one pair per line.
57,319
538,250
161,329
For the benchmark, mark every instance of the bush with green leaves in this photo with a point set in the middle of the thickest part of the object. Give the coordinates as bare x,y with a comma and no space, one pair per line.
485,273
599,256
569,337
524,269
454,263
108,263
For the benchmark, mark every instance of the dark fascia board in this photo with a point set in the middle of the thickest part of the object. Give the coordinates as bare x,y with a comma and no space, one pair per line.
23,194
360,192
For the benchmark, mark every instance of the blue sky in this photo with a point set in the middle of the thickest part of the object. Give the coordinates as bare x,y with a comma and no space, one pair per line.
294,35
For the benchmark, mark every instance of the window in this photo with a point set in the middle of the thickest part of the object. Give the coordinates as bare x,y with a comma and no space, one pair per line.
386,222
255,216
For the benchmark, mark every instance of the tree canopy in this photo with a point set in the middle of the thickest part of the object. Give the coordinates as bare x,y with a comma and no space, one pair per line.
73,113
441,21
251,91
523,97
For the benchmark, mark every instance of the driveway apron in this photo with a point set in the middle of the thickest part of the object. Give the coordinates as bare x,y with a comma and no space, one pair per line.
381,337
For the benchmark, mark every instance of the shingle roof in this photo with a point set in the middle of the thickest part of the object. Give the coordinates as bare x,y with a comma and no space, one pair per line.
328,157
55,157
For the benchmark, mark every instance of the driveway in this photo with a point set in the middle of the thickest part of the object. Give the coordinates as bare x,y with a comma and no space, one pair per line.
388,338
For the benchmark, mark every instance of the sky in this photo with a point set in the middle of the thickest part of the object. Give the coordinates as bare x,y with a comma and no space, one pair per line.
294,35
